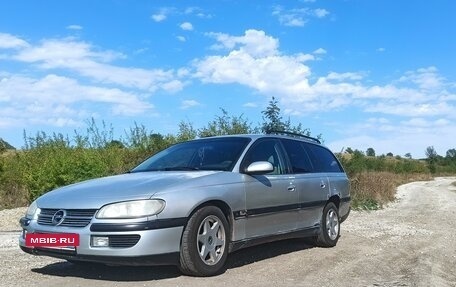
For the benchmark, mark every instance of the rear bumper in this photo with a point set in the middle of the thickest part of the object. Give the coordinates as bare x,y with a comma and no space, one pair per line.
344,208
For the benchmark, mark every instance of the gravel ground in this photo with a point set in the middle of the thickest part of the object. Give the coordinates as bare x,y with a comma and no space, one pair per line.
412,242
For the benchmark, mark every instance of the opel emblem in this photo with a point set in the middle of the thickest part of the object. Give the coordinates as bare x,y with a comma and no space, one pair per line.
58,217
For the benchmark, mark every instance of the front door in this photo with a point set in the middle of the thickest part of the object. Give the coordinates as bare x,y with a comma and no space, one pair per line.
271,199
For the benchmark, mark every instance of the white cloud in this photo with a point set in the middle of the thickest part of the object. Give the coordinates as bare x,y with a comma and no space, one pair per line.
292,18
345,76
58,101
321,13
172,86
250,105
320,51
186,26
74,27
254,60
255,43
297,17
192,10
158,17
428,109
417,122
197,11
186,104
181,38
381,49
425,78
304,57
84,59
8,41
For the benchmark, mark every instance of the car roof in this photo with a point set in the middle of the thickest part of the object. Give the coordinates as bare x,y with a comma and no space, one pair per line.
273,135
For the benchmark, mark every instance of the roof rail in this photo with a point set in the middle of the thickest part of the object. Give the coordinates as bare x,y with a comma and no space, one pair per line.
293,134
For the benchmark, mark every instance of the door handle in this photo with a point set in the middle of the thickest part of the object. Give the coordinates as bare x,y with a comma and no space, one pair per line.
322,184
291,188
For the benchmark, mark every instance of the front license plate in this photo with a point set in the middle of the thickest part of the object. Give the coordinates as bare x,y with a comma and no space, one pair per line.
52,240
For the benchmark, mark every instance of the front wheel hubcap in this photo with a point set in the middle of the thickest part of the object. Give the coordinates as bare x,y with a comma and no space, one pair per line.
211,240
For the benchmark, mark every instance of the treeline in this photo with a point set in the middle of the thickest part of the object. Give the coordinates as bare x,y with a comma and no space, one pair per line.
356,161
48,161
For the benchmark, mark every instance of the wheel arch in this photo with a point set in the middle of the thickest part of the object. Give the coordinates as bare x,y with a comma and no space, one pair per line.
223,206
334,199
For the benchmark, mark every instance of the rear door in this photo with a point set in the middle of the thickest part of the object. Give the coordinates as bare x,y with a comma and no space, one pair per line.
312,186
328,165
271,199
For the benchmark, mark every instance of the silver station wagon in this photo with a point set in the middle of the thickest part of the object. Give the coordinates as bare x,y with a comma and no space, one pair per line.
193,203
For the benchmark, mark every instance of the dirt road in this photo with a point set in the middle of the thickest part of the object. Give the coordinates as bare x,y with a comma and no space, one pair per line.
410,243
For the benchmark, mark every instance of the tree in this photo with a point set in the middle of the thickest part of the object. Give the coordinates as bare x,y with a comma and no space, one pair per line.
272,120
5,145
226,125
186,132
390,154
430,153
451,153
349,150
370,152
408,155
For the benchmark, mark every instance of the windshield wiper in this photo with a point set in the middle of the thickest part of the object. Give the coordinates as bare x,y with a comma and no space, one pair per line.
179,168
174,168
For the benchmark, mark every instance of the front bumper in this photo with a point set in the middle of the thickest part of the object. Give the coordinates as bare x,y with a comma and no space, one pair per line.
158,243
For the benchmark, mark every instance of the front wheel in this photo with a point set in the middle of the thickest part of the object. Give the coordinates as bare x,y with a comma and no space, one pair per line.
329,227
204,246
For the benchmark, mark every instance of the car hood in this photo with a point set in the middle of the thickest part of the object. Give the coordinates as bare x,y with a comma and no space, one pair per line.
95,193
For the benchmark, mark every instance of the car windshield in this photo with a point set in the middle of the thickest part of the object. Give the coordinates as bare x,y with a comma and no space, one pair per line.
203,154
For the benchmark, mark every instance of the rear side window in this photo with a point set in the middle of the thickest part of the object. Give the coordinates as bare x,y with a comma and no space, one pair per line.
323,160
299,159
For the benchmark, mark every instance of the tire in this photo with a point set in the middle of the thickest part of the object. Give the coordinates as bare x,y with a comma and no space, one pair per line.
330,226
204,245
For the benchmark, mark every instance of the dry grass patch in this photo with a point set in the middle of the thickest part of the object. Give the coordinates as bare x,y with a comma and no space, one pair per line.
372,190
13,196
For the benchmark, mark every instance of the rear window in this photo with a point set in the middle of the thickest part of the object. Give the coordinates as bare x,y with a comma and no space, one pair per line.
323,160
298,156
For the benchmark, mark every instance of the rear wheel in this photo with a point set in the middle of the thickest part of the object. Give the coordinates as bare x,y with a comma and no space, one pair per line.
204,246
329,227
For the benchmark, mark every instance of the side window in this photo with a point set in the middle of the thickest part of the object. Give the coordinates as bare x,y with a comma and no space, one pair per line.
323,159
266,150
299,159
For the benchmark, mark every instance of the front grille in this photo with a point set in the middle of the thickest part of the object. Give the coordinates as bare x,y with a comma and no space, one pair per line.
73,217
123,241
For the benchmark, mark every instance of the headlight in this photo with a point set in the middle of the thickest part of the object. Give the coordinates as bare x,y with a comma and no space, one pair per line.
131,209
32,210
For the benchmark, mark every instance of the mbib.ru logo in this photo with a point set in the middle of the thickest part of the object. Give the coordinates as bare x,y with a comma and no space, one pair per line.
51,240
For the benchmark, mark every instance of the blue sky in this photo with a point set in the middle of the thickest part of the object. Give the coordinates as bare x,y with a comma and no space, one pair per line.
364,74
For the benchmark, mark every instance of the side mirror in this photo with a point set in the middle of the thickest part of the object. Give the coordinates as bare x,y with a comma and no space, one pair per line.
259,167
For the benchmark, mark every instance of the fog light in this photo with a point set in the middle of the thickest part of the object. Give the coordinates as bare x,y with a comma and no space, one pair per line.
100,241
